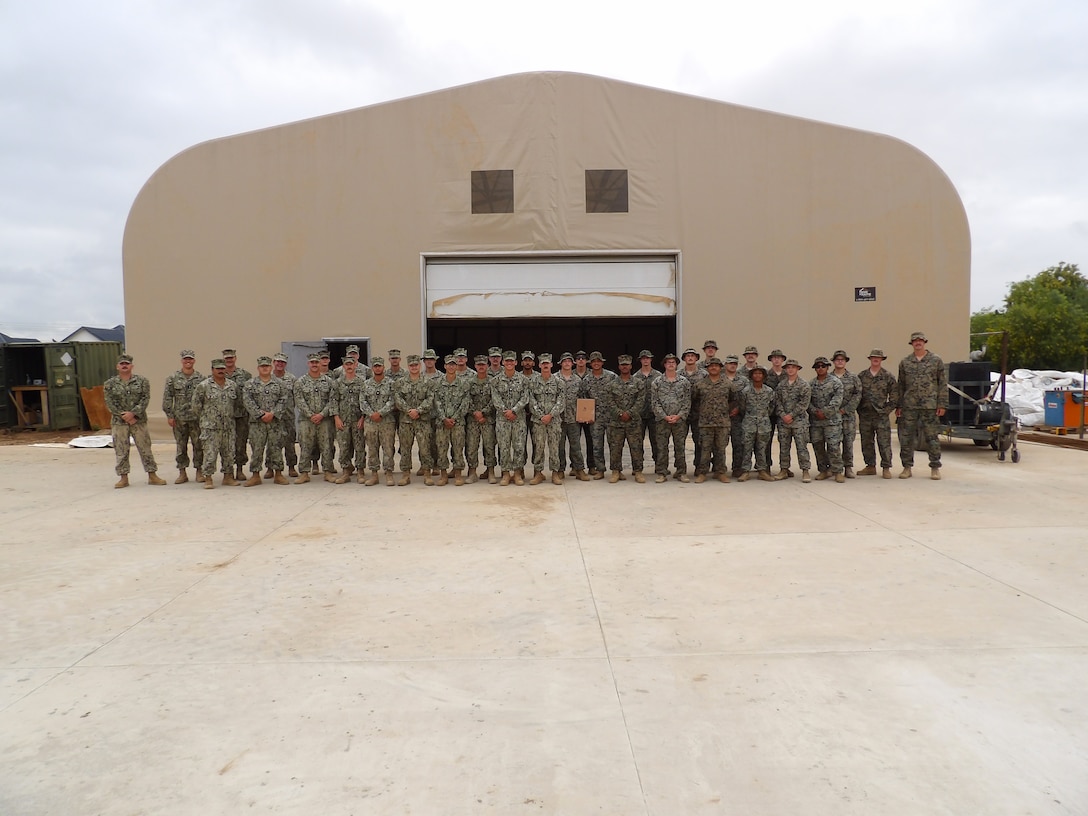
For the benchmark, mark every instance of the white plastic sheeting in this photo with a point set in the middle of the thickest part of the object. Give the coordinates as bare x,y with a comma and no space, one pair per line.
1025,391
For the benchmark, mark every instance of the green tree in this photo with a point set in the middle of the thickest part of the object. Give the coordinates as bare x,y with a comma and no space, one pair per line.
1046,317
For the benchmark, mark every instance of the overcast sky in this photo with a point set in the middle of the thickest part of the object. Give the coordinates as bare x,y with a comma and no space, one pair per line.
95,96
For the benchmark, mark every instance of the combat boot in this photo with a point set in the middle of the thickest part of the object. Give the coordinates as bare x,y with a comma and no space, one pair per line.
681,477
360,476
239,474
422,471
660,478
153,479
406,478
581,476
849,473
292,472
458,478
229,480
639,477
615,477
596,474
472,478
505,480
123,481
269,474
343,478
805,477
491,477
183,477
823,474
389,478
538,478
252,481
782,475
277,478
765,476
886,473
868,470
840,477
906,473
700,478
557,477
519,478
350,469
199,477
743,477
723,477
443,478
428,479
935,474
372,479
208,483
303,478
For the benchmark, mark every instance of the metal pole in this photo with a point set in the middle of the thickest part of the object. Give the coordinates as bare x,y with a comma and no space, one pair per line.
1083,393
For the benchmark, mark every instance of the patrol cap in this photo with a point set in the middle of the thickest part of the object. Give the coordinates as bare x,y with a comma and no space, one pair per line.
581,354
479,358
280,356
732,358
377,361
596,355
494,351
313,357
841,353
713,361
346,360
230,353
545,357
324,354
394,353
878,353
264,360
751,350
821,361
450,360
791,362
918,336
510,355
566,355
460,351
670,356
645,353
413,358
124,358
528,355
352,348
188,353
776,353
710,344
430,355
625,359
218,363
691,351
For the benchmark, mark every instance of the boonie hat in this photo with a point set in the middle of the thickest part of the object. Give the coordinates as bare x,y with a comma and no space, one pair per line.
821,361
670,356
691,351
578,354
878,353
596,355
776,353
713,343
751,350
841,353
124,358
732,358
430,355
791,362
918,336
714,361
566,355
645,353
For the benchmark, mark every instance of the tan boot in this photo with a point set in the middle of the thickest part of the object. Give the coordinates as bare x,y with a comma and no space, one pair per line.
639,477
229,480
183,477
840,477
683,477
596,474
199,477
868,470
935,474
700,478
458,478
122,482
557,477
428,479
208,483
743,477
153,479
805,476
360,477
406,479
330,477
823,474
660,478
505,480
372,479
269,473
765,476
723,477
849,473
581,476
389,478
472,478
292,472
519,478
615,477
277,478
252,481
782,475
422,471
349,470
343,478
443,478
492,477
538,478
303,478
239,474
905,473
886,473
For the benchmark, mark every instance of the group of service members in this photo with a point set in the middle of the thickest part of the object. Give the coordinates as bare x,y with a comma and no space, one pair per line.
456,417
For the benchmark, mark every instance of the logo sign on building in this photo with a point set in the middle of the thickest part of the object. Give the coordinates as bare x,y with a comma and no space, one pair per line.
864,294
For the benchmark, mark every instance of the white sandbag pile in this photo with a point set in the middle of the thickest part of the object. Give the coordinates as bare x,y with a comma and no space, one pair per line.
1025,391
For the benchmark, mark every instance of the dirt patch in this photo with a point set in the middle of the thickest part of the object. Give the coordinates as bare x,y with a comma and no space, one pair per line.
29,436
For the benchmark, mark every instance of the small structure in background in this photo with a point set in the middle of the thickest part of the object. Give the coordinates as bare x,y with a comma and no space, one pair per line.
90,334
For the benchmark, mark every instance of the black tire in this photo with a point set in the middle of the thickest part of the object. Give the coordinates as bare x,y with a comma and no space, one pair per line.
1015,456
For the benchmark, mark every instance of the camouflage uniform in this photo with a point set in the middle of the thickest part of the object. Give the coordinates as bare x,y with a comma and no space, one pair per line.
693,418
314,396
259,398
547,397
878,397
756,425
923,388
670,398
596,388
349,439
510,393
827,432
450,402
772,381
124,396
177,404
214,404
288,432
476,432
715,401
851,396
408,395
793,399
572,429
241,417
626,397
376,397
649,423
741,462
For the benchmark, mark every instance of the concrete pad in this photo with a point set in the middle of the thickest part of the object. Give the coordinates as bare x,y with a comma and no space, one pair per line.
879,646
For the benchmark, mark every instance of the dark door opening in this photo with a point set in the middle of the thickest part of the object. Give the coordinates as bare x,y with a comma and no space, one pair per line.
612,336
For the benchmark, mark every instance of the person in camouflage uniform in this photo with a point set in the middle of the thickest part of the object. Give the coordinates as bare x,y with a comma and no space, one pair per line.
710,349
759,399
265,398
582,371
177,405
509,396
127,395
825,421
571,442
415,400
376,403
394,373
595,386
626,398
751,360
732,374
717,398
241,417
851,396
879,393
451,400
480,423
647,373
288,434
791,399
547,401
314,400
432,374
348,418
214,401
361,369
775,374
693,373
923,399
670,398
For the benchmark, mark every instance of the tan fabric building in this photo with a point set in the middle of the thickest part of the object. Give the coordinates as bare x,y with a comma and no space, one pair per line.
546,211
